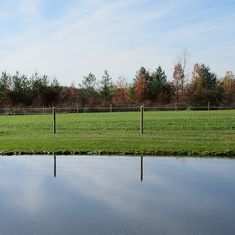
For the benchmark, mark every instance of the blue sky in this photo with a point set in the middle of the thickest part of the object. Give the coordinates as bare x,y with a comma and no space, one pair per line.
69,39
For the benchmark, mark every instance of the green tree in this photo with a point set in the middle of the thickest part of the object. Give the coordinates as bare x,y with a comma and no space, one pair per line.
106,87
89,81
20,93
87,92
157,84
39,84
5,85
203,78
51,95
151,87
204,87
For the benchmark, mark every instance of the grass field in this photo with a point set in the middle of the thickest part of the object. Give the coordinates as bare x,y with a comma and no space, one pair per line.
173,133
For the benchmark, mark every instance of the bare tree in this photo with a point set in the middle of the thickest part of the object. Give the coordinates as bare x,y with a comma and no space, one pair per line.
183,58
180,75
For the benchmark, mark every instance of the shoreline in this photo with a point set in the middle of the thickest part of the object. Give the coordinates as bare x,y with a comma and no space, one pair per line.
230,154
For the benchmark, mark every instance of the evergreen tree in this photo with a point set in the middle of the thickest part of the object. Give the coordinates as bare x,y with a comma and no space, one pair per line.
106,87
157,83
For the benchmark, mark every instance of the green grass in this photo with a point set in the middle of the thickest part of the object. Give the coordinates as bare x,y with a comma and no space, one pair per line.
182,132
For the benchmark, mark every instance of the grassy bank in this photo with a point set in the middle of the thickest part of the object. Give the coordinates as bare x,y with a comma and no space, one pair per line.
173,133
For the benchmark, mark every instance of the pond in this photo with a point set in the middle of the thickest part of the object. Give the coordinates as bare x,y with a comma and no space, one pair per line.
116,195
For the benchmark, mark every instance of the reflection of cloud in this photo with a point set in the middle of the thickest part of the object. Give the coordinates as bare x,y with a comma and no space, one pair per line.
107,182
173,194
32,197
18,179
219,167
170,191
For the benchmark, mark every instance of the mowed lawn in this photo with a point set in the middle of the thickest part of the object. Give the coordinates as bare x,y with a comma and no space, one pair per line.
190,131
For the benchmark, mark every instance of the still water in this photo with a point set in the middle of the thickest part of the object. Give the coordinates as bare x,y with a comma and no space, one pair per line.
116,195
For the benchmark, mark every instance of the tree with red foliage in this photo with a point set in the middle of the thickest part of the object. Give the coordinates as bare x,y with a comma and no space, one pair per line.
121,92
228,88
141,85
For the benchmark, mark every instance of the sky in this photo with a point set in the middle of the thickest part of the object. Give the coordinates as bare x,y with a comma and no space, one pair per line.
68,39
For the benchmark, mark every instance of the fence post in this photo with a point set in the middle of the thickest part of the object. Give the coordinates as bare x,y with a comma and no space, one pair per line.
77,110
14,111
54,120
208,105
111,108
43,110
142,119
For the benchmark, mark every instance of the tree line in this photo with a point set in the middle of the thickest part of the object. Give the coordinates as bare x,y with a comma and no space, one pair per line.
147,87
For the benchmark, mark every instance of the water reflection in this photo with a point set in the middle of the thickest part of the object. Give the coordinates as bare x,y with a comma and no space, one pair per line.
103,195
141,168
54,166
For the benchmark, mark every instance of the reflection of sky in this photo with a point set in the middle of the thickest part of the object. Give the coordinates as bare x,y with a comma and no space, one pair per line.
104,195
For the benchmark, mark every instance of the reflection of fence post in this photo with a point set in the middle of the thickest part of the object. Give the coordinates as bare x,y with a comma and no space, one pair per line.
54,166
54,120
142,119
141,169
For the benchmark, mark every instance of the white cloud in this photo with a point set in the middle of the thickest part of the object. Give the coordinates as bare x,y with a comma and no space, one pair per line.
73,47
91,36
29,8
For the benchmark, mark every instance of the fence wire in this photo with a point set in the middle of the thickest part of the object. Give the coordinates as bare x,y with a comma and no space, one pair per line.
49,110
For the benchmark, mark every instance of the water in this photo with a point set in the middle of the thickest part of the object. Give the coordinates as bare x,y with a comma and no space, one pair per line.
115,195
